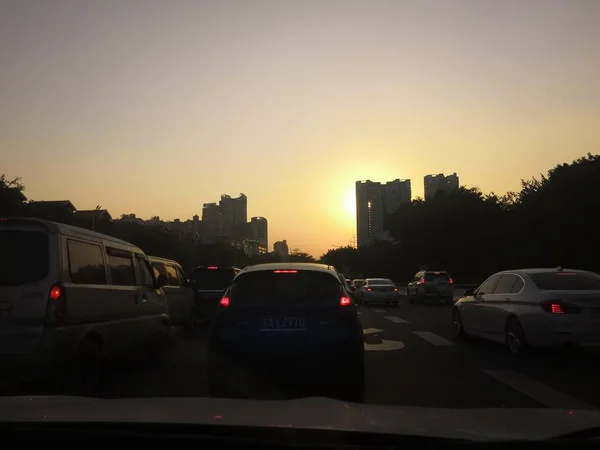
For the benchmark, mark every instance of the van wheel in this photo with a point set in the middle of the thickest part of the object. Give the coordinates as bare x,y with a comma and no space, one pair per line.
88,369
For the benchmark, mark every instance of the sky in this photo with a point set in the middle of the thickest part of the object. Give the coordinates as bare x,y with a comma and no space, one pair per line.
156,107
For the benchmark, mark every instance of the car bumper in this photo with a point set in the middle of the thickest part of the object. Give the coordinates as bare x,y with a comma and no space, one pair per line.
562,330
381,298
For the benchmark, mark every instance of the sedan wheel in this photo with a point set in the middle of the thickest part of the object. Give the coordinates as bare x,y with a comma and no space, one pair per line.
515,337
457,325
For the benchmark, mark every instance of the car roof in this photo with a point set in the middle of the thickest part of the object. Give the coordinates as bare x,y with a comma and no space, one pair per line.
378,279
163,260
541,270
314,267
69,230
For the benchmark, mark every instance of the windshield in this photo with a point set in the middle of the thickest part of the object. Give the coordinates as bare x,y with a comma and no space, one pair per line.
566,281
213,279
269,288
433,276
444,155
379,282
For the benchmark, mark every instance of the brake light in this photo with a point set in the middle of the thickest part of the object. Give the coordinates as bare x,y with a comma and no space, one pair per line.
395,289
566,273
422,281
451,281
212,267
369,289
436,273
57,305
285,271
345,301
558,307
224,302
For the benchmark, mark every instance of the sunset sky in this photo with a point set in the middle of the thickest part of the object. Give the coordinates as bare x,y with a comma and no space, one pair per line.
155,107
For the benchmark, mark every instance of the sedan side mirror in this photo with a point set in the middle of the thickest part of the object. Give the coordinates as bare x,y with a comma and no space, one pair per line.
161,281
469,292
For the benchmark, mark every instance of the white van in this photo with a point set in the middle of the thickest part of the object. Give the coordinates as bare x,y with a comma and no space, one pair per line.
178,290
70,295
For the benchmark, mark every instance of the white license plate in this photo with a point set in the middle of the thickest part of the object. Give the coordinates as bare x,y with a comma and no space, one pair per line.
286,323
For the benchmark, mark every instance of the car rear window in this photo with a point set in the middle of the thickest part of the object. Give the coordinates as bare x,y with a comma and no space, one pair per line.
380,282
566,281
273,288
24,257
212,279
432,276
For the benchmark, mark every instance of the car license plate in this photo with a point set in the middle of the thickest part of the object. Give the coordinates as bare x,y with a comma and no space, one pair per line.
288,323
595,312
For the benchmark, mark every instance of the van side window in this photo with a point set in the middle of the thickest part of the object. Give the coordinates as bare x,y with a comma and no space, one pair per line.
172,275
159,269
121,268
145,276
86,263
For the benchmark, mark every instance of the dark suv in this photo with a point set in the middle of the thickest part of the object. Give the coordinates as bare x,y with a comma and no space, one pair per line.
432,285
209,284
287,325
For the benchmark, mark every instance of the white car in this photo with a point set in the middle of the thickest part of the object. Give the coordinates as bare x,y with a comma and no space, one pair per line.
532,308
379,290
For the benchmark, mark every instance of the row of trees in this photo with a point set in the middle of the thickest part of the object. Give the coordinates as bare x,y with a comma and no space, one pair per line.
554,220
152,240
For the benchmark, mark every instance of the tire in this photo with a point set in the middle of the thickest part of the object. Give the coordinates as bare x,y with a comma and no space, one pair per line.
87,371
514,337
457,326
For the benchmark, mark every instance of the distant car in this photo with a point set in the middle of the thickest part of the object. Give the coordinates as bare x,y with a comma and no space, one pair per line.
291,323
532,308
209,284
432,285
356,284
379,290
180,295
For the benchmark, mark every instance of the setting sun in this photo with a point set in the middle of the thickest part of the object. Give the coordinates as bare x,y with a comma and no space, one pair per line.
349,202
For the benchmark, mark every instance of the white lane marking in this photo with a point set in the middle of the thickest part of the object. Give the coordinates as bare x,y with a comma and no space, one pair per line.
434,338
544,394
385,346
378,310
371,330
396,319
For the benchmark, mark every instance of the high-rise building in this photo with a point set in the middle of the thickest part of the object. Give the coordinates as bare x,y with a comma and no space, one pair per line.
374,202
234,212
281,248
395,194
259,231
439,182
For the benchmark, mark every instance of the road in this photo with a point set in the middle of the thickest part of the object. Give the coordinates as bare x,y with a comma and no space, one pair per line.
411,359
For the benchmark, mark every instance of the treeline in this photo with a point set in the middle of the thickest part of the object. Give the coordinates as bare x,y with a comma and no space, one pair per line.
552,221
152,240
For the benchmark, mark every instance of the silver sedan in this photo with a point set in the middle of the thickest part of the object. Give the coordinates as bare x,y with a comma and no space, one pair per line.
379,290
532,308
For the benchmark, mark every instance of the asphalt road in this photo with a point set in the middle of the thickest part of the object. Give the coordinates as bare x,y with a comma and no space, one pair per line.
411,359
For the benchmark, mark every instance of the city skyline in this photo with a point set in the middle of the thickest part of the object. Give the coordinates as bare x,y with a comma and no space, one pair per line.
151,109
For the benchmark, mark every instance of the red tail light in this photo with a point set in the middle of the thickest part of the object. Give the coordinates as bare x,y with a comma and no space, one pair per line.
369,289
212,268
285,271
345,301
558,307
422,281
57,305
395,289
224,302
451,281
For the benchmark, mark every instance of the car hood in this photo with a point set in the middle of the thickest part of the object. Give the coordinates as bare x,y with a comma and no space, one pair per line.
308,413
